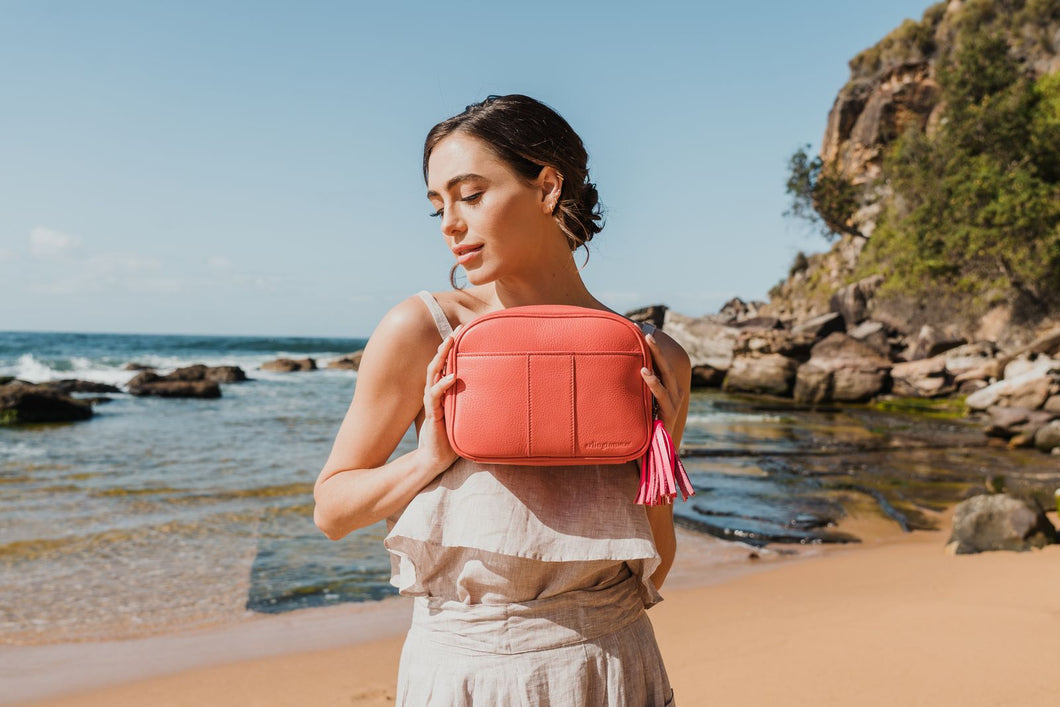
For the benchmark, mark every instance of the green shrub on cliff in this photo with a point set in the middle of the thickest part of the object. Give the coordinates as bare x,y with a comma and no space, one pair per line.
976,206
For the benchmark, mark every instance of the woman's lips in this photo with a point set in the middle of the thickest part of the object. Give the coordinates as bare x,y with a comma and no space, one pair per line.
468,255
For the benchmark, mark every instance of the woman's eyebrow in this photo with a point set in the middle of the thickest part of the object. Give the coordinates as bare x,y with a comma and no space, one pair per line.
456,180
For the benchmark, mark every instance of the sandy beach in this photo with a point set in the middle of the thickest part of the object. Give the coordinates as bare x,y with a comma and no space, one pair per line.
892,621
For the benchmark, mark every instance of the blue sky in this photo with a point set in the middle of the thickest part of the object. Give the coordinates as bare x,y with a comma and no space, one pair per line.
254,167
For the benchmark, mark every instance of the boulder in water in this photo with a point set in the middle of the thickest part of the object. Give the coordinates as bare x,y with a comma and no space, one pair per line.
22,403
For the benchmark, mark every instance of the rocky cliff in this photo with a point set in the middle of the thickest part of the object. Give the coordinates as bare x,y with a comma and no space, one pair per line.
893,88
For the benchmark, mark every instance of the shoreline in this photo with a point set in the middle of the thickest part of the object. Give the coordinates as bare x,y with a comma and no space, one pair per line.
896,622
79,673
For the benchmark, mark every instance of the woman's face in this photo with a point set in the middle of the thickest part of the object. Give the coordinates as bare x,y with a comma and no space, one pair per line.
495,222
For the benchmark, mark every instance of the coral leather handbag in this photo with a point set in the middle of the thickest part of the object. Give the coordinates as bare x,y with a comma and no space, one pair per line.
551,385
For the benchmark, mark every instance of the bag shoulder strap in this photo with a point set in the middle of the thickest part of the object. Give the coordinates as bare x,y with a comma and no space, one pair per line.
440,320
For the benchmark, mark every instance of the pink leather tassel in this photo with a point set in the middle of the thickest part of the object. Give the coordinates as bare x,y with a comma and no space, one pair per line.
662,474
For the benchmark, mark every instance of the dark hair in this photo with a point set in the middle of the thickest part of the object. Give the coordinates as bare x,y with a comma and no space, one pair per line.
528,135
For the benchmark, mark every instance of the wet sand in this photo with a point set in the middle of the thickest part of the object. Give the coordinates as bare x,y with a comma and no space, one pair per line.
892,621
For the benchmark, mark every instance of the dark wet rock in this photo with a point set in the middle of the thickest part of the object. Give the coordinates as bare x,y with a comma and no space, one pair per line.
22,403
926,378
351,361
96,400
4,380
999,522
150,383
850,301
133,366
772,374
707,377
1047,438
654,314
843,369
287,365
820,326
760,533
1008,422
72,385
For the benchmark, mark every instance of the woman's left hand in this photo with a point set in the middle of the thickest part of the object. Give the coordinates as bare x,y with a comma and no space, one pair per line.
663,385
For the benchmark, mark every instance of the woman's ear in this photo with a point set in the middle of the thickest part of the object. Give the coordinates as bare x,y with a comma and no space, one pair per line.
551,184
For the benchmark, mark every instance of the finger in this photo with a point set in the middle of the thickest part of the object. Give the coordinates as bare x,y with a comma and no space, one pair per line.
434,368
663,366
666,403
432,400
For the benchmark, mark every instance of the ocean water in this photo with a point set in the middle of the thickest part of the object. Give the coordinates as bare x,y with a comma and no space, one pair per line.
164,512
159,514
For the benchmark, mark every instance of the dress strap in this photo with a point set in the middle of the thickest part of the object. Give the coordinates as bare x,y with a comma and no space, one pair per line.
440,320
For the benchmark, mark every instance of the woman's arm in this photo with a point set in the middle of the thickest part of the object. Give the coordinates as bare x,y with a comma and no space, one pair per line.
671,385
357,487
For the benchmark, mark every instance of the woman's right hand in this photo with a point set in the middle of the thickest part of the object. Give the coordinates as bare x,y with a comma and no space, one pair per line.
433,441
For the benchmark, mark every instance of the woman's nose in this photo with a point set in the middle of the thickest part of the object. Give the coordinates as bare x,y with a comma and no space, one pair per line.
452,224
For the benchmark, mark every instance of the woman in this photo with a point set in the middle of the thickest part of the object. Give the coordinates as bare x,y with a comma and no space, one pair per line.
530,582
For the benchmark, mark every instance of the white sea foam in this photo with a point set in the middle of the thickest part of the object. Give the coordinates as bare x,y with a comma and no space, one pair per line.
32,369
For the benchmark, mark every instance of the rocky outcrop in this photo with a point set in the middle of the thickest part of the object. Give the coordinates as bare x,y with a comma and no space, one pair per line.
24,403
841,368
197,381
999,522
287,365
772,374
349,362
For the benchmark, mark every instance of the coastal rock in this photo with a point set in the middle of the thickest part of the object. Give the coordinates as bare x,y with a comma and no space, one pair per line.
655,314
926,378
72,385
287,365
150,383
707,341
999,522
350,362
841,368
970,357
772,374
774,341
1021,365
851,301
762,323
225,374
707,377
22,403
1047,438
1007,422
820,326
874,334
133,366
931,342
736,309
1030,389
1052,404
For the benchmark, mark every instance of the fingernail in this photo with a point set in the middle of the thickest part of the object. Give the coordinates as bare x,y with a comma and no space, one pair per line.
645,372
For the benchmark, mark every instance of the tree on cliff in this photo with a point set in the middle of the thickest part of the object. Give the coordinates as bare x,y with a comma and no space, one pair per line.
968,202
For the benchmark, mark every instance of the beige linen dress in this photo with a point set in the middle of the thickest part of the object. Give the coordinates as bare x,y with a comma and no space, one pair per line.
530,586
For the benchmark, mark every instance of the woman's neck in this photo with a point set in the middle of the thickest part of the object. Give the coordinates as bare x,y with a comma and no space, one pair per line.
559,286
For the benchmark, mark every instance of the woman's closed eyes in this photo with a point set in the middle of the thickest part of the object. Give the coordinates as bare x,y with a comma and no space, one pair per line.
470,199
